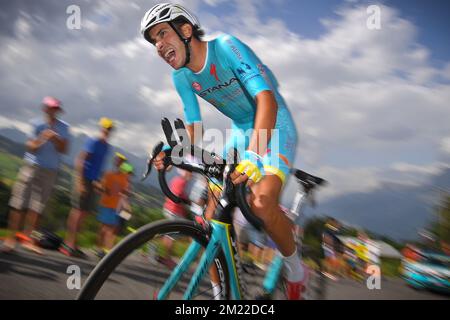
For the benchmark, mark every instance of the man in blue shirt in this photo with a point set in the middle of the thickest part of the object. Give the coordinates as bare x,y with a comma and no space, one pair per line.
45,146
88,170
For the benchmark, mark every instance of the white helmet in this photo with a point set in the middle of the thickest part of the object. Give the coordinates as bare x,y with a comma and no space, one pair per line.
165,12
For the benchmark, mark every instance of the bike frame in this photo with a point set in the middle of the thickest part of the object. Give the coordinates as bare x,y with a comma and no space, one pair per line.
221,238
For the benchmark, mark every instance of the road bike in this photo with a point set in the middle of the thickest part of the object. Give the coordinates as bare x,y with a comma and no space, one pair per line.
205,246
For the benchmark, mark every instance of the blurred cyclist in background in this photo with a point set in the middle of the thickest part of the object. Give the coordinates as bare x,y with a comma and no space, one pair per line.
178,186
88,168
48,142
226,73
251,242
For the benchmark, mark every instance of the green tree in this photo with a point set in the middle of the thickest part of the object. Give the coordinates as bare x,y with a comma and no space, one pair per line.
5,193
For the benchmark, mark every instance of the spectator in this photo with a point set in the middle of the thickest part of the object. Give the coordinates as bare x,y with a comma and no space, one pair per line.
114,186
88,168
124,208
36,178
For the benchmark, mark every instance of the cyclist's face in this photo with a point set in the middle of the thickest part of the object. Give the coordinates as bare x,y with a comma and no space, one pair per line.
168,45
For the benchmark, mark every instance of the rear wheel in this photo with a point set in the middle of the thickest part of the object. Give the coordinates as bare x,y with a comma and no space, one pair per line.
125,270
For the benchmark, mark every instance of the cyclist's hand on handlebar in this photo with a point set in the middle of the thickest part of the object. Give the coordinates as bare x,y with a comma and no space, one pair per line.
158,162
250,167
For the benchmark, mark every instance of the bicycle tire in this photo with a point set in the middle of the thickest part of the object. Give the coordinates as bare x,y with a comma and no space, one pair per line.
134,241
317,283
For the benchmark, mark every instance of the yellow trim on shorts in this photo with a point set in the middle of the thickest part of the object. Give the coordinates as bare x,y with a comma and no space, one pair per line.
274,170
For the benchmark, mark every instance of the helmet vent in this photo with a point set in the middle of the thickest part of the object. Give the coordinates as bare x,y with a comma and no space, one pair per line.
163,13
151,21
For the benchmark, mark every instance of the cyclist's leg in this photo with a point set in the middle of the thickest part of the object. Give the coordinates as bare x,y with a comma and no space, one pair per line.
265,205
164,254
277,161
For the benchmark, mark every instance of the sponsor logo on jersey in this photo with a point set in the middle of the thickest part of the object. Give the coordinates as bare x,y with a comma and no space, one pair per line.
197,86
246,66
242,71
234,49
221,86
261,69
213,72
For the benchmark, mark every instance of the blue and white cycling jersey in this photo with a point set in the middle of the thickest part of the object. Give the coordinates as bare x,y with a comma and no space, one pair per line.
230,80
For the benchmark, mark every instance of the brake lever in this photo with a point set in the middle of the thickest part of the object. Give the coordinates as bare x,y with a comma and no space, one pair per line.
156,150
168,132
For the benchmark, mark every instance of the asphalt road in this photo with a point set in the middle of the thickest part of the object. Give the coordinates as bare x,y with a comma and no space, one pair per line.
25,275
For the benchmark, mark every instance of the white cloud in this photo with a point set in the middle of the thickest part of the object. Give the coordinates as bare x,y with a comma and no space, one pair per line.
90,129
349,180
90,25
19,125
431,169
94,93
353,92
160,98
446,71
445,145
22,26
213,3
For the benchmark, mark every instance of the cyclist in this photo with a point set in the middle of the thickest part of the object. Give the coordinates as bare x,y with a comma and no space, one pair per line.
172,210
226,73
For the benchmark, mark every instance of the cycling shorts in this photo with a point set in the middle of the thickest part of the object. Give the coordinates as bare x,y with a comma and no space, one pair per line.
280,153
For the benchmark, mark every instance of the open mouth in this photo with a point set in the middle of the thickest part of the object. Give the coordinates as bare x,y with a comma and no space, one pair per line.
169,56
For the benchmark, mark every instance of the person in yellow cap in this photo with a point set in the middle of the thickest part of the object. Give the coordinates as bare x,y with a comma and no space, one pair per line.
113,186
88,168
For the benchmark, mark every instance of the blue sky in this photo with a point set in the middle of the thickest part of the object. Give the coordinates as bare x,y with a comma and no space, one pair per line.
432,21
303,16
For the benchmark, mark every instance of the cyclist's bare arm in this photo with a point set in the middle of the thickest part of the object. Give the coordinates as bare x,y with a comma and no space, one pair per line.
194,128
265,120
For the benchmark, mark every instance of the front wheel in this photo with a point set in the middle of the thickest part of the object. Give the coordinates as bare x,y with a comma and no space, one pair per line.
123,274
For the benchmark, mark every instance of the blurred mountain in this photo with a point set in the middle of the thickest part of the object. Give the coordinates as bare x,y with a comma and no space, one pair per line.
13,134
9,146
394,210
